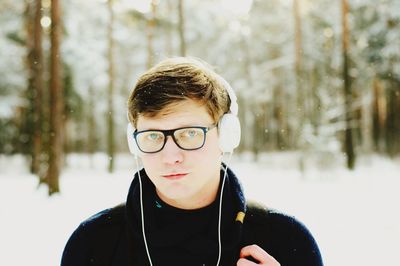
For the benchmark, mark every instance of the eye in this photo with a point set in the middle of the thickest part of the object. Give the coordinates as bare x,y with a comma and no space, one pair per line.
153,136
191,133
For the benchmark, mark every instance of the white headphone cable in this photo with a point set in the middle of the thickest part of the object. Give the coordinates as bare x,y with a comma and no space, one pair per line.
220,209
142,211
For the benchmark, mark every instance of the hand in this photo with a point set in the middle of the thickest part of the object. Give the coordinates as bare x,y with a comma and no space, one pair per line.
258,254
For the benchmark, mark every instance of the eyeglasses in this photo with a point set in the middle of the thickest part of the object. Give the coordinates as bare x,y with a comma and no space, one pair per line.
186,138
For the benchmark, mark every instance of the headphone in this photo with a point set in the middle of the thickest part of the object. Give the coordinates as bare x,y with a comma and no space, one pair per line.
228,126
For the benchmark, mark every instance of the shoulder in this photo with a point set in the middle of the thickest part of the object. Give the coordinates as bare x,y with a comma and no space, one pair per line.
110,216
102,222
260,219
103,227
260,215
281,235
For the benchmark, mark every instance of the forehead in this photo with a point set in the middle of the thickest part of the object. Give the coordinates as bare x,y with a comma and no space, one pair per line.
180,114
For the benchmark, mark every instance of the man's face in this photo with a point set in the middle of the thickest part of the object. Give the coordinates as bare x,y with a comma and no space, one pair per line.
184,179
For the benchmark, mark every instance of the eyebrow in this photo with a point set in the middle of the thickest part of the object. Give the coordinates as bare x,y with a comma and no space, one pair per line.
181,126
206,124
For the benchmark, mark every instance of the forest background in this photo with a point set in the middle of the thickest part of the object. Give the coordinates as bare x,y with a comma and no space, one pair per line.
320,78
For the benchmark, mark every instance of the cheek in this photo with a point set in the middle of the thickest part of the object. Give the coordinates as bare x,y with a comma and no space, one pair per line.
212,143
211,150
150,161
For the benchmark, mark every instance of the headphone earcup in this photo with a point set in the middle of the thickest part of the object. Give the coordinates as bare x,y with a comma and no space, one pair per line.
229,132
133,148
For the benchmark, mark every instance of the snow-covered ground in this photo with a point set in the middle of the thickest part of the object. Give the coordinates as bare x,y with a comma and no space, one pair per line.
354,215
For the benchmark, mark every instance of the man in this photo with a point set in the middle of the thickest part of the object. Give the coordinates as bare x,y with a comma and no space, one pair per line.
186,207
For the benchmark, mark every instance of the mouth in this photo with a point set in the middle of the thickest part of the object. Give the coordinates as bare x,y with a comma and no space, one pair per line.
175,176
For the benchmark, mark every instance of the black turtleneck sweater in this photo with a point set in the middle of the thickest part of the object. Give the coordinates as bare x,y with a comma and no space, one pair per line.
176,236
179,237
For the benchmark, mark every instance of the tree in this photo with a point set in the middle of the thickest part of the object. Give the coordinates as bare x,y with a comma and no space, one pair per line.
92,136
35,59
380,53
110,95
151,24
56,101
348,142
168,36
298,67
181,28
378,116
393,117
28,111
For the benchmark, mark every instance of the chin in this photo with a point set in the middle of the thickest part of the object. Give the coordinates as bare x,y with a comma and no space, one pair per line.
175,192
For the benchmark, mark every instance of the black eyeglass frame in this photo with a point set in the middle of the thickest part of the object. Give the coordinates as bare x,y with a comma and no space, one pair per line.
170,132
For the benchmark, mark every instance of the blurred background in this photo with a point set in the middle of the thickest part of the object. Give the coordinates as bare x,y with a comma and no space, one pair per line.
318,85
314,76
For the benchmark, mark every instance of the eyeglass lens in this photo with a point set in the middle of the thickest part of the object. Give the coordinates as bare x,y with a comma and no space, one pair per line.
186,138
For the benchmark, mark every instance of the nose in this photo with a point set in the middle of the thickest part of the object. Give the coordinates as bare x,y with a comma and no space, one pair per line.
171,153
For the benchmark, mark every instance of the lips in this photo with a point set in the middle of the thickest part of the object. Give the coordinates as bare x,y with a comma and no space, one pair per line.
174,176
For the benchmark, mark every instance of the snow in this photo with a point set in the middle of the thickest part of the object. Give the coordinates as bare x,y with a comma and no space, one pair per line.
353,215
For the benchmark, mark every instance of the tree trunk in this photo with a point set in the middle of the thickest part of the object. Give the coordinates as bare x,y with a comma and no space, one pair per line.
91,126
243,121
279,118
348,143
378,114
37,78
181,28
317,102
110,96
56,101
393,118
301,107
279,112
243,100
257,130
168,35
32,114
151,23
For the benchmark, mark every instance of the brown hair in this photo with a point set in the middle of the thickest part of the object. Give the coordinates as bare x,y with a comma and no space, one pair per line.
174,80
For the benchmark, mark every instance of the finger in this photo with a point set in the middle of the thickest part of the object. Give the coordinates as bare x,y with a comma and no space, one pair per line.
244,262
258,253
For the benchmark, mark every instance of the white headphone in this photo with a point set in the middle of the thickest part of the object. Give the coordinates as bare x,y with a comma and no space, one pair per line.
228,126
